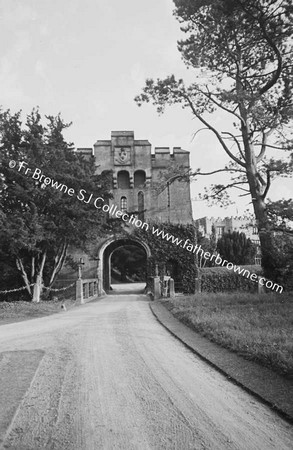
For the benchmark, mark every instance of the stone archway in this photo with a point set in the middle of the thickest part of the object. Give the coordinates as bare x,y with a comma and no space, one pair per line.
104,258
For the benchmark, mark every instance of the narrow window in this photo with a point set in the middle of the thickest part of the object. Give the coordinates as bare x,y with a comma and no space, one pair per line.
140,200
220,231
123,204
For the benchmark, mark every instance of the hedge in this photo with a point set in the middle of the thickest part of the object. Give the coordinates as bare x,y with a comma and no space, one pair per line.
220,279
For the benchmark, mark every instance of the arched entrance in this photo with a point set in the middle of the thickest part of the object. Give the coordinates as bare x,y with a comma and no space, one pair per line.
110,251
128,264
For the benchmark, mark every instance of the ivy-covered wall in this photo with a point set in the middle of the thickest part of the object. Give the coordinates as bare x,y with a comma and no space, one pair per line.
168,255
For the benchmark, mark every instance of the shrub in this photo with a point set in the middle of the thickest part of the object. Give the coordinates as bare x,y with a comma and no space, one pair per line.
236,247
220,279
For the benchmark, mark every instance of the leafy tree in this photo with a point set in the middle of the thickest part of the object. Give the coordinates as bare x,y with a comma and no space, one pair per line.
241,52
237,248
39,221
280,214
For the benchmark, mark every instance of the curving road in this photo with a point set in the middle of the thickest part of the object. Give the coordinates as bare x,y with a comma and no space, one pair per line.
107,375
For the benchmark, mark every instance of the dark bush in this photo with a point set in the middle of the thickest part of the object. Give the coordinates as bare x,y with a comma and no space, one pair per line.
220,279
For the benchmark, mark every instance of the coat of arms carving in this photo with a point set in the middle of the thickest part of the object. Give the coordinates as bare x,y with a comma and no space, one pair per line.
122,155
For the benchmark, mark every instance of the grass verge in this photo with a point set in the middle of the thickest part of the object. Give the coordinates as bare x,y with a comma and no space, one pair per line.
20,310
258,327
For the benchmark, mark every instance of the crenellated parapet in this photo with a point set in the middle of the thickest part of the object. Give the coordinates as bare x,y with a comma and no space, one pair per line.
245,224
163,157
86,152
136,170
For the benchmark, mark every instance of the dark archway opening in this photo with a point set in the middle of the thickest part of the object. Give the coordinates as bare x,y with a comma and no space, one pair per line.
124,262
128,265
123,179
139,178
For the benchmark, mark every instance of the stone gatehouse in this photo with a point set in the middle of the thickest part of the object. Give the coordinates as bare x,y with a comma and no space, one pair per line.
144,182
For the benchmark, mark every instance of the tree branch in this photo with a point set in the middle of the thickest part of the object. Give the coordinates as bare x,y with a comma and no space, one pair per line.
263,147
210,127
237,142
229,186
217,171
268,185
209,95
198,131
278,71
274,146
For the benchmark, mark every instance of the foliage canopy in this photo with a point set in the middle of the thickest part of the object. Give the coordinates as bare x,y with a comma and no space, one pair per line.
37,221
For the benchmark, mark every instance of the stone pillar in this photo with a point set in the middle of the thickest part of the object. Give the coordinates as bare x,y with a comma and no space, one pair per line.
197,285
100,277
166,286
260,287
171,288
79,291
157,270
156,288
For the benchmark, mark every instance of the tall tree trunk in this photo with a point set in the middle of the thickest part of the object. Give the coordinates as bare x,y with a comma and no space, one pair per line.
38,286
58,262
23,273
257,186
266,237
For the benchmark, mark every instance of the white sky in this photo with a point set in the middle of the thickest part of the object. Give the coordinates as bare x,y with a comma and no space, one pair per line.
88,59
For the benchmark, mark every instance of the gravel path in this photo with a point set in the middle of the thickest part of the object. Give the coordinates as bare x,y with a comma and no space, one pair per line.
111,377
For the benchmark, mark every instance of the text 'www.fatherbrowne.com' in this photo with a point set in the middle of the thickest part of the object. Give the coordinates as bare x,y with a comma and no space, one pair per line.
100,203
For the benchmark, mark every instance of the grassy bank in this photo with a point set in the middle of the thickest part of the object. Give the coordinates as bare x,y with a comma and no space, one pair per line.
20,310
259,327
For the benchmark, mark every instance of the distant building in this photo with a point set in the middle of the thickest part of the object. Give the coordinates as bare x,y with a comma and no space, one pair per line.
242,224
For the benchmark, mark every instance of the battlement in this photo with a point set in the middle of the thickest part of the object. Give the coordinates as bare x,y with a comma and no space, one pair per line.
103,143
167,151
86,151
162,157
115,134
221,219
159,150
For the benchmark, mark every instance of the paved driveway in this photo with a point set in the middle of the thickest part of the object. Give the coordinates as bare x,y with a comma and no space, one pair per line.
107,375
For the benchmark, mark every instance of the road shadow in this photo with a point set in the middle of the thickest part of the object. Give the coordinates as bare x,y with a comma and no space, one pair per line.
127,289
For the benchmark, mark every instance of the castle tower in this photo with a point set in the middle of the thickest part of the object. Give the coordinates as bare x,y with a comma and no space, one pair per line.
140,177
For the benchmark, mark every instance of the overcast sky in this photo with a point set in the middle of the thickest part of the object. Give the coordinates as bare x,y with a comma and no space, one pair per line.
88,59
